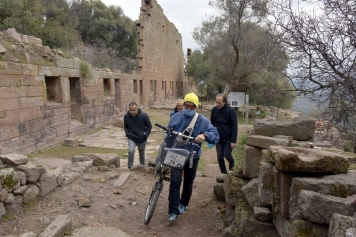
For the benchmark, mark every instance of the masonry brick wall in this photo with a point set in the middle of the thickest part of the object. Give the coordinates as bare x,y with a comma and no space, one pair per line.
160,54
35,98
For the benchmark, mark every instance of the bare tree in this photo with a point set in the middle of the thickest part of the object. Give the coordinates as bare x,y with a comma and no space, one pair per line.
238,43
320,39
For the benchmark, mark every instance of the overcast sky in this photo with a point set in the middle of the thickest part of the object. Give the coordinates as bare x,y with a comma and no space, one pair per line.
184,14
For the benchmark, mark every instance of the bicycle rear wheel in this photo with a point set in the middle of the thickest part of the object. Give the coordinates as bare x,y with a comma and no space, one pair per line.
152,202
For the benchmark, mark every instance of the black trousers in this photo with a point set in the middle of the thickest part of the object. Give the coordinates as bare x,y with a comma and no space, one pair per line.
224,149
174,197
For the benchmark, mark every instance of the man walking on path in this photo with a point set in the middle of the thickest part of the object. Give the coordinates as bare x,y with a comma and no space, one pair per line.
203,130
224,118
137,128
179,107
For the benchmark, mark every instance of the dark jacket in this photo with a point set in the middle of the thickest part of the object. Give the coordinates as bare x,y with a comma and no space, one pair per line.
137,128
225,120
174,111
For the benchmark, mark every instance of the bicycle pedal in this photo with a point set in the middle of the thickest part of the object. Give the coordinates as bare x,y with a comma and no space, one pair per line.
167,178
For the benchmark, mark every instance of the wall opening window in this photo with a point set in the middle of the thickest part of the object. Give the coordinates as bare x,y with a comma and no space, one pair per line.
135,87
76,100
151,86
107,87
54,89
117,94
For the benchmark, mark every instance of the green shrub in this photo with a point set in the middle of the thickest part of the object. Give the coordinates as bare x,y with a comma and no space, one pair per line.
85,69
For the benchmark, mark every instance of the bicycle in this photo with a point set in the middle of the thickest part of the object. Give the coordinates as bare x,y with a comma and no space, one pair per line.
167,158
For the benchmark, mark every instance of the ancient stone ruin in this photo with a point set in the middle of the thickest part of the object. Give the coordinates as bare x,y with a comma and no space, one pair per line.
46,97
287,187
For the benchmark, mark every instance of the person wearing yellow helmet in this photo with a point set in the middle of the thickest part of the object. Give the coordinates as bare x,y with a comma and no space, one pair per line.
203,131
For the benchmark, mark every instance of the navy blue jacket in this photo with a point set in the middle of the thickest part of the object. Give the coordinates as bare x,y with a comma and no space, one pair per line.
179,122
137,128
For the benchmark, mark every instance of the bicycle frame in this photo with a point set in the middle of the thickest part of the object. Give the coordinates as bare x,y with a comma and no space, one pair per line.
162,170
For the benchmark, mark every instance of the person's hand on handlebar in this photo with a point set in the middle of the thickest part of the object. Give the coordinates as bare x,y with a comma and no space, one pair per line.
200,138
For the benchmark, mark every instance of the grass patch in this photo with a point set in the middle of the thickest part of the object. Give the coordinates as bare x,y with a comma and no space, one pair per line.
238,152
67,152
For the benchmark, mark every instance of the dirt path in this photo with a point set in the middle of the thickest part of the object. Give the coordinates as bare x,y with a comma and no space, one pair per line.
124,210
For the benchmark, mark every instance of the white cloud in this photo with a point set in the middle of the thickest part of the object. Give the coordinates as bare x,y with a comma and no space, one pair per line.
184,14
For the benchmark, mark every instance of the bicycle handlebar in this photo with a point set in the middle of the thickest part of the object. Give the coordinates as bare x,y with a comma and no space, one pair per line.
179,134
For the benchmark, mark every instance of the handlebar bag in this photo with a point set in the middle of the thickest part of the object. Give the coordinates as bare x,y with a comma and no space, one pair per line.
175,157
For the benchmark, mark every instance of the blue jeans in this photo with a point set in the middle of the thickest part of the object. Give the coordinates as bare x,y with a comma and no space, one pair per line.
174,197
224,149
141,149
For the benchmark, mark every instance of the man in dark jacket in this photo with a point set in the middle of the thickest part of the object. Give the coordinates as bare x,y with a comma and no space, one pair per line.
178,108
137,129
224,118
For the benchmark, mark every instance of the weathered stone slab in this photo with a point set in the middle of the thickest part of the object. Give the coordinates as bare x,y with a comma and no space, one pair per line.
100,159
2,49
247,225
305,228
319,208
58,227
339,225
264,142
251,161
15,206
121,180
341,185
32,172
233,189
262,213
301,128
264,183
98,231
71,142
296,159
30,194
14,159
49,181
281,183
250,190
35,41
12,35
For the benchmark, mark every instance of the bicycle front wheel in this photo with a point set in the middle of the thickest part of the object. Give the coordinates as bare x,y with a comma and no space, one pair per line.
152,202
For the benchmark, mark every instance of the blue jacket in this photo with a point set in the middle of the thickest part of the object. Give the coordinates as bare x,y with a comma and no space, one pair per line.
179,122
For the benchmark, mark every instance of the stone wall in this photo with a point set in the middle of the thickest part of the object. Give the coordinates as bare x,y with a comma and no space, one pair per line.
160,55
45,97
287,187
45,102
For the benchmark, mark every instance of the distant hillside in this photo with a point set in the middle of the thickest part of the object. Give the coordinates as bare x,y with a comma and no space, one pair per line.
304,105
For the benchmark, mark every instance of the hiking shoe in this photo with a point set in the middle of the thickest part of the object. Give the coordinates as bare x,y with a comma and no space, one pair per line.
182,209
172,217
231,165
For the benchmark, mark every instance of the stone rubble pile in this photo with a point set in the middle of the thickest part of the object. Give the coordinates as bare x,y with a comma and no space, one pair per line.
287,187
23,180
